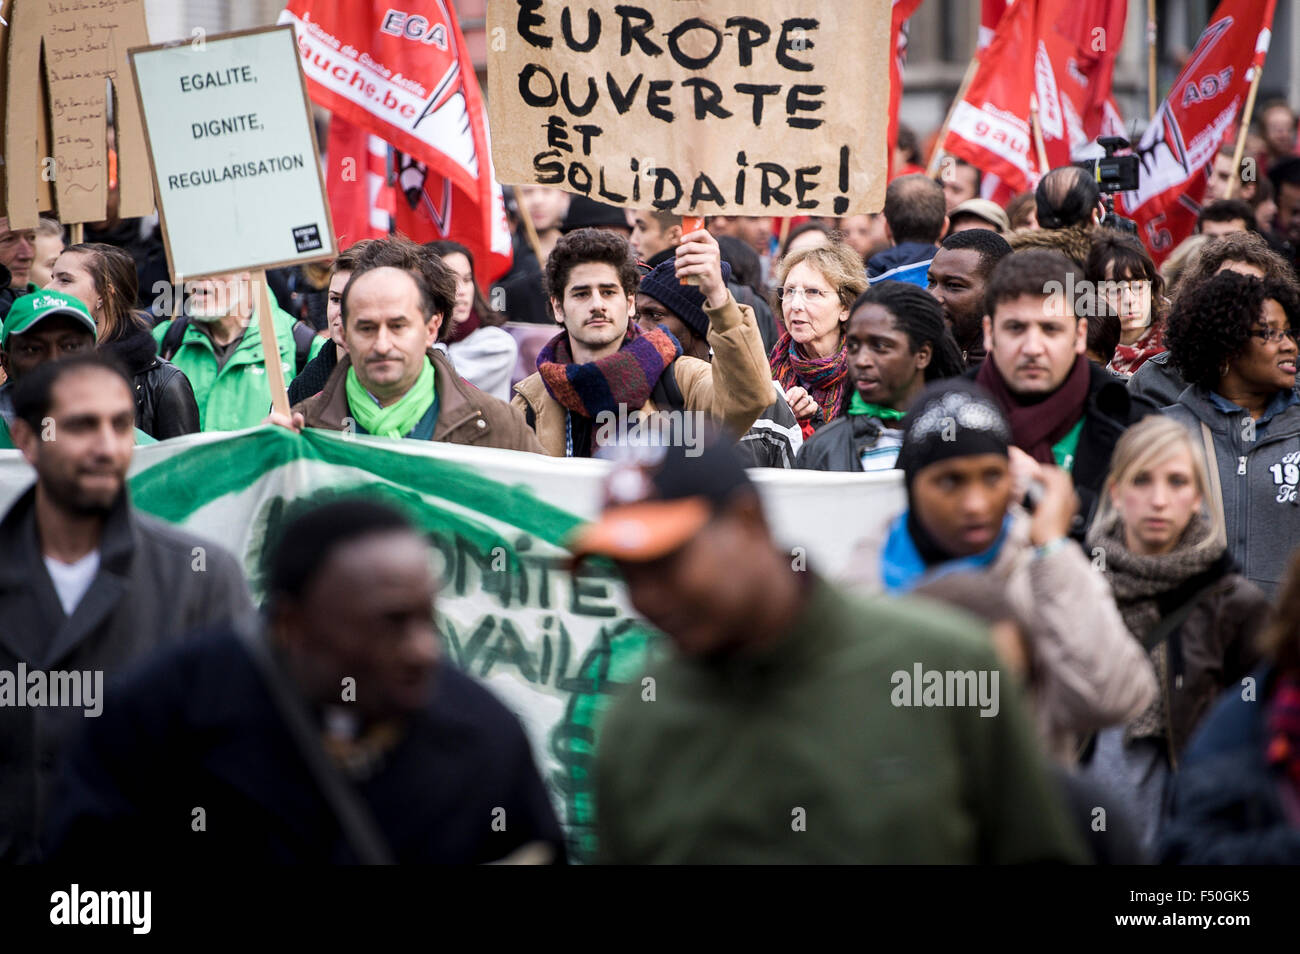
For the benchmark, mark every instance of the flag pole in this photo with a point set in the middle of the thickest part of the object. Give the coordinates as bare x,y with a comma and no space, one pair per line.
1038,135
529,231
1243,132
936,157
1151,59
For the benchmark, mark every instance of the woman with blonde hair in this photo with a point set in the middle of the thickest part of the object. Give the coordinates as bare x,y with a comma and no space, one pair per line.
815,289
1159,540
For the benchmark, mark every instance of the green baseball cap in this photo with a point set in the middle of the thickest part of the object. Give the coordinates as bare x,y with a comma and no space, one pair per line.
30,310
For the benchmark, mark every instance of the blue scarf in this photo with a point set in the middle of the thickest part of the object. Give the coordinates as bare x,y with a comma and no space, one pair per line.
902,567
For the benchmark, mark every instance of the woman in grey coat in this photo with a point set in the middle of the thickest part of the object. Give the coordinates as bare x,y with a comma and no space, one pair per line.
1234,343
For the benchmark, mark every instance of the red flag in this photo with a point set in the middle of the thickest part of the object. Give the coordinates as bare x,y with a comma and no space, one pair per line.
990,16
406,77
1063,53
1191,123
902,9
361,200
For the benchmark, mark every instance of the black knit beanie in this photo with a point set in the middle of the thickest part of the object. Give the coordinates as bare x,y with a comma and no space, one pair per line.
684,301
951,418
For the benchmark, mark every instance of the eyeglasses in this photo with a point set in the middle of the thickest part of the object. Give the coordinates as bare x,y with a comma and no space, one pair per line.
811,295
1273,335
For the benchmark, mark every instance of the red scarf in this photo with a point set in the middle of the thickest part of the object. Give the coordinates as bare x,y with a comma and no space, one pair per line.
1283,750
463,330
1128,358
1036,427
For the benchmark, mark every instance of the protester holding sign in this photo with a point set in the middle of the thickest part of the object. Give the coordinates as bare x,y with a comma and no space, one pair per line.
392,382
600,370
217,343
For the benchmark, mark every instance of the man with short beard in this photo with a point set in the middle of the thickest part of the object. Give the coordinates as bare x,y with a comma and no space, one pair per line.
87,584
220,351
602,367
957,277
1063,409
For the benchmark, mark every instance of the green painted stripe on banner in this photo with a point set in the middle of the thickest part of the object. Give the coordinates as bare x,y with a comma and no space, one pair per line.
178,486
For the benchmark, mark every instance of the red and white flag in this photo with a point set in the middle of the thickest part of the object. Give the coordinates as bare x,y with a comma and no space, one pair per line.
406,77
1188,128
361,201
900,13
1062,54
990,16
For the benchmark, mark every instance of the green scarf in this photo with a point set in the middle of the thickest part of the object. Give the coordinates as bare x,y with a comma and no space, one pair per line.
857,405
396,420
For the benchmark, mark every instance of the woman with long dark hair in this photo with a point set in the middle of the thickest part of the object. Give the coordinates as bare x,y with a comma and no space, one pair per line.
104,278
1128,281
484,353
896,342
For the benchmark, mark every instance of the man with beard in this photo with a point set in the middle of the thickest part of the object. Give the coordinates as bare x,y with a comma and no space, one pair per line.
87,584
220,351
601,369
1063,409
958,275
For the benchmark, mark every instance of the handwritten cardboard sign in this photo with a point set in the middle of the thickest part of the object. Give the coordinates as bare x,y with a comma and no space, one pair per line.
56,146
700,107
233,153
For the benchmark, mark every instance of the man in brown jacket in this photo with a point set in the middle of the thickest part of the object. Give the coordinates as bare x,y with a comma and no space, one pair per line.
392,382
601,371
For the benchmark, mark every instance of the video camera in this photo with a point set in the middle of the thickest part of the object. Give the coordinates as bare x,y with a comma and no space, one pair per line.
1113,174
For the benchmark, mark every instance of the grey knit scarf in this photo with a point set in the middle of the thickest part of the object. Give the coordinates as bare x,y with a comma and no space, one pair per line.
1138,582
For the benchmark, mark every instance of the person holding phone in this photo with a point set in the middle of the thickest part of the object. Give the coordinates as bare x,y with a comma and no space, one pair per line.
967,490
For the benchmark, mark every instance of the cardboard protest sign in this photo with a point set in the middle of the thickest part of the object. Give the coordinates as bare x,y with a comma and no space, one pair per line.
700,107
233,151
55,146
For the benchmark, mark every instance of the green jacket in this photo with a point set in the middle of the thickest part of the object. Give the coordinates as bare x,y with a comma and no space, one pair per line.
237,395
798,754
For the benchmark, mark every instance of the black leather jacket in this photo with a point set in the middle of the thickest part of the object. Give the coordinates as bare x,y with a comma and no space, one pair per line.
164,401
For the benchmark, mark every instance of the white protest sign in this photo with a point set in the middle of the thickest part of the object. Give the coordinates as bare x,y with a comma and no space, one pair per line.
234,153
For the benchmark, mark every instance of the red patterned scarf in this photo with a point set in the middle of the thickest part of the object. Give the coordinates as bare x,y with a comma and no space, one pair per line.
823,378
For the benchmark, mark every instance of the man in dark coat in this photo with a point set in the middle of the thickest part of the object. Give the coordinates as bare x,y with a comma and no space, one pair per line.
86,583
1064,410
329,732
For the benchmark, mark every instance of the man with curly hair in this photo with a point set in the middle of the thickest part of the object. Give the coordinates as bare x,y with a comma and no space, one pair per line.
1234,342
602,369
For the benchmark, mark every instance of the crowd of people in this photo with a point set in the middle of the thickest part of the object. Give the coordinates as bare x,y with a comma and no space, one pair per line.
1101,465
